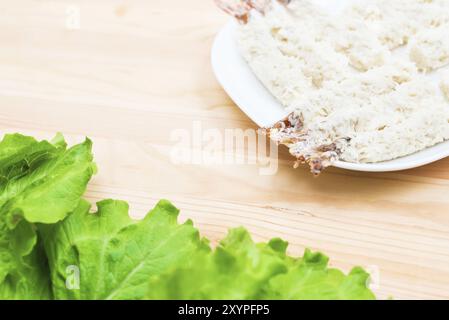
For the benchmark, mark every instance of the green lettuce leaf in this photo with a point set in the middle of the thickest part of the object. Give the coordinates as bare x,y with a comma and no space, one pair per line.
238,269
28,278
242,270
311,279
114,255
20,154
39,182
46,192
52,247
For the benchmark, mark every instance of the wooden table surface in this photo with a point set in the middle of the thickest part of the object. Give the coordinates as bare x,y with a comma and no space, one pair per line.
129,72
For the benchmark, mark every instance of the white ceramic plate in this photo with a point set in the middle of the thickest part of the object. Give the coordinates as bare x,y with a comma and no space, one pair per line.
256,101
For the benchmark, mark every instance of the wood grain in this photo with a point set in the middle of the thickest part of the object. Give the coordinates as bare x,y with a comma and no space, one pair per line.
136,70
